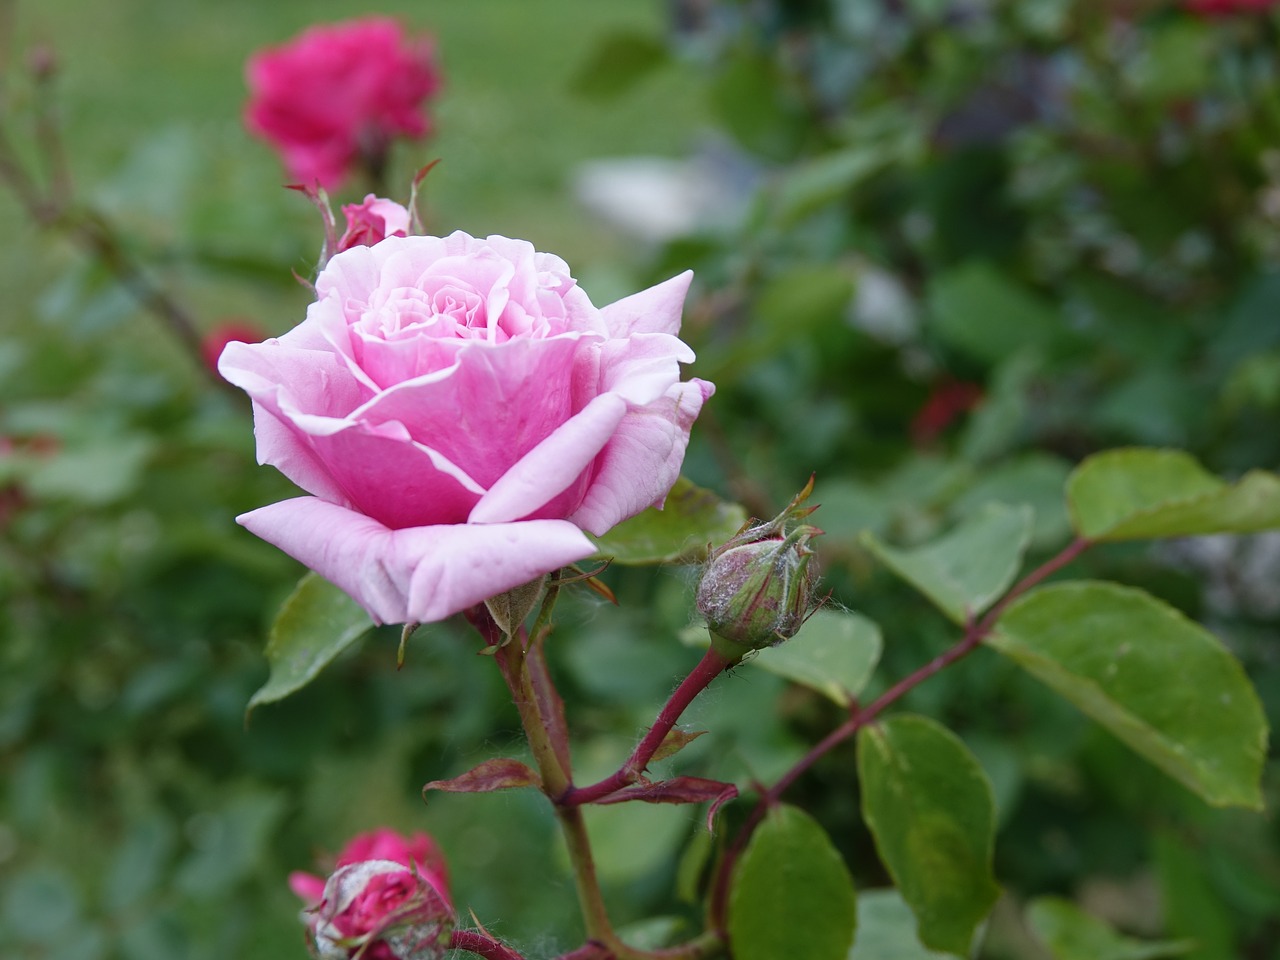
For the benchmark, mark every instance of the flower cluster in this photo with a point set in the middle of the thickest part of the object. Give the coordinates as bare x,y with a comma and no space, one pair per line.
337,96
387,899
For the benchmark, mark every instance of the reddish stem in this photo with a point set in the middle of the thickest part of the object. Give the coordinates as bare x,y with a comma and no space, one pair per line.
475,942
975,633
709,667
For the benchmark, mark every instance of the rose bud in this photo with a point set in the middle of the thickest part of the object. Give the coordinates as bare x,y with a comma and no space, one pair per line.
373,221
379,910
757,590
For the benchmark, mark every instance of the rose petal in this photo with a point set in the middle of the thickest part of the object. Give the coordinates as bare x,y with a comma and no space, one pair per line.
308,887
643,368
553,465
642,460
655,310
420,574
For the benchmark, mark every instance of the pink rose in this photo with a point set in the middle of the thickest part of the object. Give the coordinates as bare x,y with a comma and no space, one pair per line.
339,94
418,850
461,413
373,221
379,910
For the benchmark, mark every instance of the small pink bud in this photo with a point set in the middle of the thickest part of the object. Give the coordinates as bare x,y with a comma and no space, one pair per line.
379,910
373,221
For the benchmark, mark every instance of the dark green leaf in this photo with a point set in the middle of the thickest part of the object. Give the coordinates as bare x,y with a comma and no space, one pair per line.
792,895
930,809
316,623
678,533
968,569
1158,681
1140,493
834,653
826,179
1072,934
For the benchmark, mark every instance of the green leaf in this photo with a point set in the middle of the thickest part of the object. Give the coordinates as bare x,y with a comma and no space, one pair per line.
834,653
979,311
968,569
316,623
930,809
690,519
792,895
1158,681
617,64
887,930
1140,493
1072,934
825,179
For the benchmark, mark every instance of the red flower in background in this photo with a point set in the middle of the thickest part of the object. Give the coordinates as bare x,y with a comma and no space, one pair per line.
947,401
228,331
337,95
1225,8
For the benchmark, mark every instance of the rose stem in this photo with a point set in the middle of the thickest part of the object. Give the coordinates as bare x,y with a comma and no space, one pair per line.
709,667
974,634
475,942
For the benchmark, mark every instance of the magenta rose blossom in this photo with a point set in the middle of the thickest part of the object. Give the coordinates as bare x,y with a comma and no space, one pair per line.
372,222
460,413
338,94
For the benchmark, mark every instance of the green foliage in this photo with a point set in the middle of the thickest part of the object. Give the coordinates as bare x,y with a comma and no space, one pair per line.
316,624
834,653
1142,494
966,571
792,894
887,930
691,519
1158,681
1071,934
930,808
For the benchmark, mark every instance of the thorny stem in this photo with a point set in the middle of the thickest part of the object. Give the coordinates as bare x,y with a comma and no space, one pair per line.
975,632
711,666
475,942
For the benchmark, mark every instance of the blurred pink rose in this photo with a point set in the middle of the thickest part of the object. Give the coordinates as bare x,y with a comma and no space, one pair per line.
387,899
373,221
460,413
215,341
339,94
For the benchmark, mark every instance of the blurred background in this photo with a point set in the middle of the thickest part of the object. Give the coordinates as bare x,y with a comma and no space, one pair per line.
943,248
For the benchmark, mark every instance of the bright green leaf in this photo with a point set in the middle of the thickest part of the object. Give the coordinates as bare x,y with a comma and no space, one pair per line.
316,623
792,895
834,653
968,569
1158,681
1140,493
1072,934
930,809
818,182
887,930
678,533
978,310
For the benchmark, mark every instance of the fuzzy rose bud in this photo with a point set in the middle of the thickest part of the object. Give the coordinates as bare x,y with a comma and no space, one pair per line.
758,589
388,899
377,909
373,221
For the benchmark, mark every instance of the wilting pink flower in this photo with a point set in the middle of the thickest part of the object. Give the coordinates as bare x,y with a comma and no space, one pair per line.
387,899
461,413
339,94
228,331
372,221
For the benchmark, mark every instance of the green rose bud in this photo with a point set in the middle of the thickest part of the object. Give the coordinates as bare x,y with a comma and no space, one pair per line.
757,590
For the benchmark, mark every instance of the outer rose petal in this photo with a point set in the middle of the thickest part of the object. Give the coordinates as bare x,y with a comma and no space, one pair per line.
306,886
655,310
419,574
642,460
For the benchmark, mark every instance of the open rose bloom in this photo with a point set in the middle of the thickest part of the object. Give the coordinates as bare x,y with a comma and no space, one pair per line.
339,94
387,899
460,413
